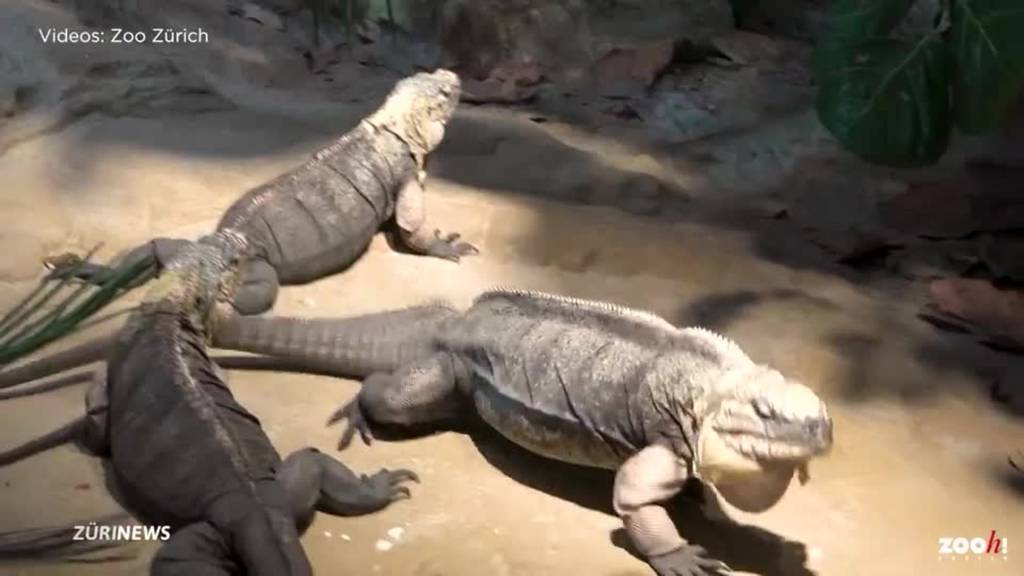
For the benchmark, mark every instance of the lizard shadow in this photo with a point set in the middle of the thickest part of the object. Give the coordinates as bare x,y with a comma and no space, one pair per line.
741,546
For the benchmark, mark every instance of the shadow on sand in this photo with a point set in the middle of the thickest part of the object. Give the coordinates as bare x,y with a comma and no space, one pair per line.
743,547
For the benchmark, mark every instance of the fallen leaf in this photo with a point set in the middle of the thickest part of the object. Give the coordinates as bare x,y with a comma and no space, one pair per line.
854,247
936,209
993,315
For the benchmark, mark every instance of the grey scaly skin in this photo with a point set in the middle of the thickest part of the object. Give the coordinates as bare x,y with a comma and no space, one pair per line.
184,453
319,218
583,382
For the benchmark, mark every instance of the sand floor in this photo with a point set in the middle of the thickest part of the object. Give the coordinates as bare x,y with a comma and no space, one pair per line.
920,450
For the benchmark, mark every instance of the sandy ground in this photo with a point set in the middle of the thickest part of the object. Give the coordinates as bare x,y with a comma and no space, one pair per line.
920,450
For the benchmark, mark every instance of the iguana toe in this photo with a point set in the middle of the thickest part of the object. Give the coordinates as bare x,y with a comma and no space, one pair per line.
690,560
450,248
356,422
387,484
404,475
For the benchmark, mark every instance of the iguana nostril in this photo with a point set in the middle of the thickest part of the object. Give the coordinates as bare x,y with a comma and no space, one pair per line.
819,429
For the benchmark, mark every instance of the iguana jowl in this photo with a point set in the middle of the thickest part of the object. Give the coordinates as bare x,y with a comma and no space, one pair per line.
579,381
184,453
319,218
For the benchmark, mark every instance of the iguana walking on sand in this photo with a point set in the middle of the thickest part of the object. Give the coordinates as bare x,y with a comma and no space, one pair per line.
584,382
319,218
184,453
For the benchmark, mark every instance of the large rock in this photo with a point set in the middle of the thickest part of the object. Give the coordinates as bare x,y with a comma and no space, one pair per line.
572,40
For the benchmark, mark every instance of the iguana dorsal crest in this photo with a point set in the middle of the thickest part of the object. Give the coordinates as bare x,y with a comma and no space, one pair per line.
632,323
564,304
720,341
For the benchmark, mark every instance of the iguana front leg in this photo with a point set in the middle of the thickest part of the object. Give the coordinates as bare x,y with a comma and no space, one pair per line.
314,481
410,215
650,477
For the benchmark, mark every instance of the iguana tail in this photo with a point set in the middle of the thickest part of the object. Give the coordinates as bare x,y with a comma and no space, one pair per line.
58,541
352,347
69,432
85,353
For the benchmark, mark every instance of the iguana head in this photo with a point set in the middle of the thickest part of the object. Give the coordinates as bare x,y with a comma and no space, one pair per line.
418,108
758,430
202,278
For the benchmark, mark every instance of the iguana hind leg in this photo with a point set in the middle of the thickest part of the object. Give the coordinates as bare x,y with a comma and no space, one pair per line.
315,481
195,550
421,393
258,290
312,481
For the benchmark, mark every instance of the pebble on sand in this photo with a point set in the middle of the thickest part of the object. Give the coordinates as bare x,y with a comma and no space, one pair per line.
384,545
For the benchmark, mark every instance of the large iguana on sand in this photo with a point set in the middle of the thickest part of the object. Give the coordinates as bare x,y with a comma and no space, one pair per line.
584,382
184,453
319,218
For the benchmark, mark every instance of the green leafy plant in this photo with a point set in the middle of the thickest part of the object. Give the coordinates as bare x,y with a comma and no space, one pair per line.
31,324
895,99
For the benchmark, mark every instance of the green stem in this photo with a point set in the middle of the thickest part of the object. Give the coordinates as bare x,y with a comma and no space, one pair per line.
59,326
27,311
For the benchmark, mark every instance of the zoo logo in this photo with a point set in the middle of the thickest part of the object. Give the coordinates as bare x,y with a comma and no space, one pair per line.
961,546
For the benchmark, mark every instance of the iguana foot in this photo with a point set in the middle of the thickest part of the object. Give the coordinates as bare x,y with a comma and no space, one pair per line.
386,484
689,560
449,247
356,422
344,494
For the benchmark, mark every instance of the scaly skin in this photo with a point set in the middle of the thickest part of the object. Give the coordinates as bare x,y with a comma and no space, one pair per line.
318,219
183,452
583,382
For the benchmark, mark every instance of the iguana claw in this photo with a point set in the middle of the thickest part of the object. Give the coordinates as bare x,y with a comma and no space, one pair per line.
690,560
356,422
450,248
386,485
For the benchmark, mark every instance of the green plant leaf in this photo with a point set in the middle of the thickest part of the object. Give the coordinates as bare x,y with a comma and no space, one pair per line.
987,43
888,100
849,23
